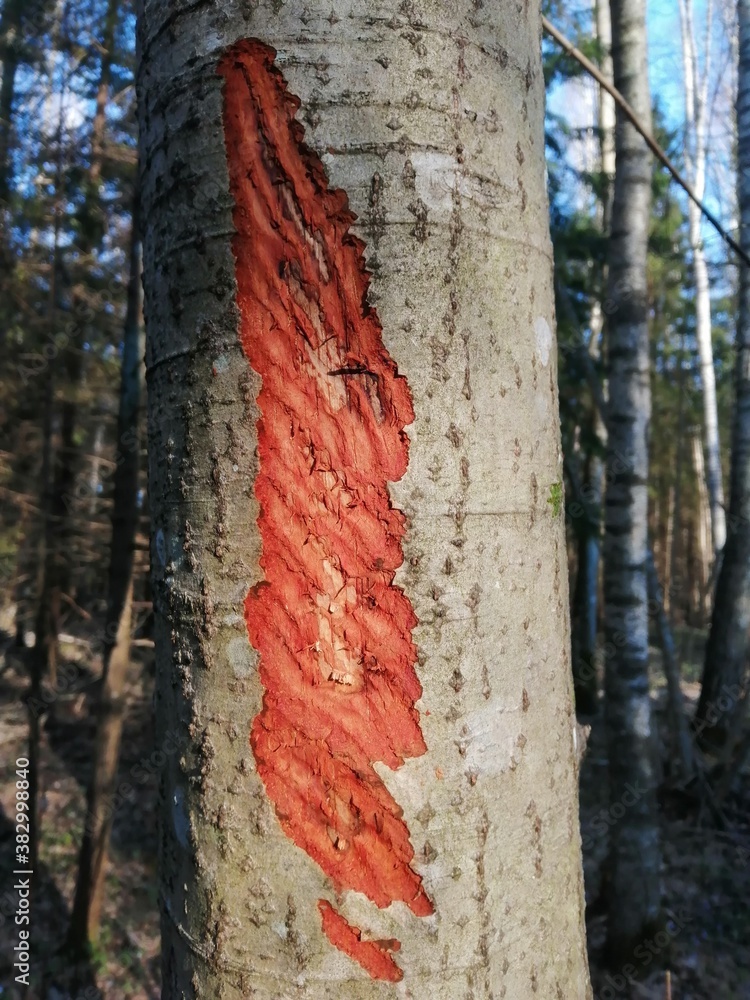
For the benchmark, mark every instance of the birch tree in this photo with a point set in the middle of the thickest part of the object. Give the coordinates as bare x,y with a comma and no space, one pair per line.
586,595
360,590
727,650
634,896
696,145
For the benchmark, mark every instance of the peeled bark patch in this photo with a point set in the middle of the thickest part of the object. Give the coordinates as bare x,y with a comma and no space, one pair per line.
334,634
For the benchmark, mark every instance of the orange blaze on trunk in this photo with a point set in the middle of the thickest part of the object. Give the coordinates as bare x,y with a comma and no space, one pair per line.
333,632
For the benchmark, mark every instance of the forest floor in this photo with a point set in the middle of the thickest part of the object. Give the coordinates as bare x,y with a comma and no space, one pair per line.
705,945
705,879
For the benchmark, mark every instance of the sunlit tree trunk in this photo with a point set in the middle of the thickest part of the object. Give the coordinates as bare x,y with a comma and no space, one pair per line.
634,900
676,587
432,124
727,650
702,529
696,112
606,111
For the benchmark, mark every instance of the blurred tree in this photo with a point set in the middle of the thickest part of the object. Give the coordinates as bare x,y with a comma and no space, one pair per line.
696,82
634,901
86,916
726,666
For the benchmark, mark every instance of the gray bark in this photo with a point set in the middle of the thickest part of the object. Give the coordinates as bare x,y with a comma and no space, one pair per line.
727,650
634,901
430,117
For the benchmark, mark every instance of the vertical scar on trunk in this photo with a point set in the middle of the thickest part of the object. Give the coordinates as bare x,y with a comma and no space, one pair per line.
337,661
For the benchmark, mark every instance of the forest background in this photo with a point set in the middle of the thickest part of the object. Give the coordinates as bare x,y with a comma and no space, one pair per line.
74,506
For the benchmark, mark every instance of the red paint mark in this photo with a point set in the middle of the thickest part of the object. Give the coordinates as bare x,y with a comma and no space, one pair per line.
371,955
333,633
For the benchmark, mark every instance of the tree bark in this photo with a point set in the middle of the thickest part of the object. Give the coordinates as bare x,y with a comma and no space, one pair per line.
682,755
725,670
10,53
431,121
585,622
696,109
607,118
38,655
585,604
85,918
675,580
57,566
702,530
99,123
634,902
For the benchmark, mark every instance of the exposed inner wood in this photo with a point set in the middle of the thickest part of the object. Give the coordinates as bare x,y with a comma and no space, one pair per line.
337,660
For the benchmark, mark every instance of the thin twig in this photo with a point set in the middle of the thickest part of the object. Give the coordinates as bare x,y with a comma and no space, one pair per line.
641,128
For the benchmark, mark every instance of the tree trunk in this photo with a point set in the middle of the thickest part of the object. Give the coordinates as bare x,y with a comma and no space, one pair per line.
10,45
725,670
682,756
85,918
584,614
607,119
702,529
268,486
39,654
94,476
57,567
586,596
696,110
634,902
676,588
668,551
99,124
58,570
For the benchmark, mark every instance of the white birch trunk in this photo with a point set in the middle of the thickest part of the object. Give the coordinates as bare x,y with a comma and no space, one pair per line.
696,106
703,526
634,896
606,109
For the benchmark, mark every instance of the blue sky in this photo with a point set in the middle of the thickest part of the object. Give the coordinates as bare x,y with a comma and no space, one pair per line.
666,83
